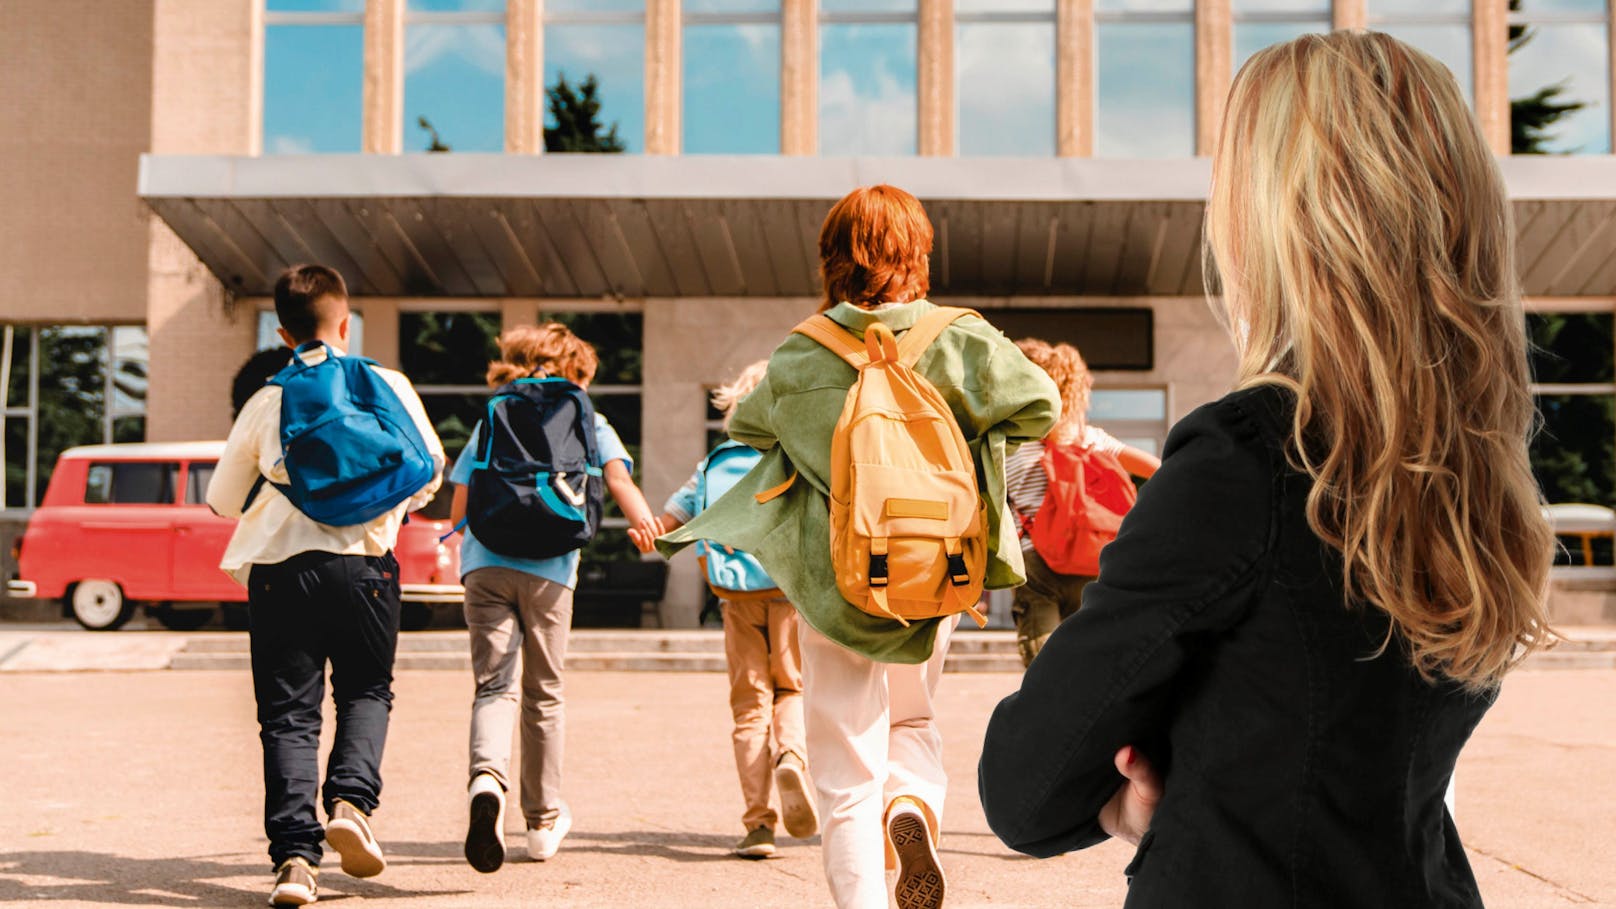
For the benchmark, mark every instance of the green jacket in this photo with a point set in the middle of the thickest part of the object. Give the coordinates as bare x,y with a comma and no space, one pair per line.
999,398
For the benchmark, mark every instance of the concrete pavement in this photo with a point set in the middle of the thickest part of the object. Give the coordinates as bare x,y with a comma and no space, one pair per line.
143,788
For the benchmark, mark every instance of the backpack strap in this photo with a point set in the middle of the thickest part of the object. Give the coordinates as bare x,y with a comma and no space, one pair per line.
930,327
824,330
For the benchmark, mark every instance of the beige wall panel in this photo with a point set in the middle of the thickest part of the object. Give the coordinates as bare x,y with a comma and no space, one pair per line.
75,114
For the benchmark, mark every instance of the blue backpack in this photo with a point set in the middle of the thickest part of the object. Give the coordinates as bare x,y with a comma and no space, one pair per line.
352,451
536,484
730,571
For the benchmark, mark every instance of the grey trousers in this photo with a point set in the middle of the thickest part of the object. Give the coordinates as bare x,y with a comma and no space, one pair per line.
514,615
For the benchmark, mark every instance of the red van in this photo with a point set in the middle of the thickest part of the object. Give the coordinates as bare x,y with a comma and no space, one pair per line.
128,525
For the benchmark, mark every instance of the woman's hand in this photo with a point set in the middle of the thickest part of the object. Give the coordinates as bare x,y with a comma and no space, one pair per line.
1127,815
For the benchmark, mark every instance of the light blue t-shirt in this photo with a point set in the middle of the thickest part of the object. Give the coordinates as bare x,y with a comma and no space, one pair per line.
562,569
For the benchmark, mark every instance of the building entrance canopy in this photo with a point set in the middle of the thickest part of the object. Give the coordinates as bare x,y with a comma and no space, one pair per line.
469,225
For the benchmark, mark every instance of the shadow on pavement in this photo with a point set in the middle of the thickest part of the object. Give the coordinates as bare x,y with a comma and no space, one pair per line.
95,877
679,847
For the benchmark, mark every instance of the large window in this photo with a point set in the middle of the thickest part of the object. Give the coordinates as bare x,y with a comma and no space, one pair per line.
1137,416
1559,76
1260,23
454,75
1441,28
62,386
603,40
867,77
314,63
731,80
1574,368
1145,79
1004,57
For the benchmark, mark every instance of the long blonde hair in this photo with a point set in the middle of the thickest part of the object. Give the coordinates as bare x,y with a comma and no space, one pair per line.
1365,247
728,396
1072,378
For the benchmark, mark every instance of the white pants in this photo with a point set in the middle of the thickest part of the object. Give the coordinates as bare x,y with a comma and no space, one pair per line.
870,739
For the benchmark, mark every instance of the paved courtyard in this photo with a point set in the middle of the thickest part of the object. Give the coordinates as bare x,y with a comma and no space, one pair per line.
143,788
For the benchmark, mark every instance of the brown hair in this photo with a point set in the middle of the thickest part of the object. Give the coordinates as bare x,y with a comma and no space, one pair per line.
551,349
309,298
1363,237
1065,365
874,248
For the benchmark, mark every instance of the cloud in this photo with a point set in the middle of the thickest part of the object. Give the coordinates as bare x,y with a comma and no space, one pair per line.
1579,56
482,46
291,145
1006,89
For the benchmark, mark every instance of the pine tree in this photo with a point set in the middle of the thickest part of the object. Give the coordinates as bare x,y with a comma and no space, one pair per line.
1532,118
576,113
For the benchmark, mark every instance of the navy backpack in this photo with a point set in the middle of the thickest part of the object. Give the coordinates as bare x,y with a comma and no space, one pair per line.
536,482
352,452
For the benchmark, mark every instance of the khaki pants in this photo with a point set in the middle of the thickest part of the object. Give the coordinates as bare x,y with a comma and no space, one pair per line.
871,738
765,696
1045,601
512,614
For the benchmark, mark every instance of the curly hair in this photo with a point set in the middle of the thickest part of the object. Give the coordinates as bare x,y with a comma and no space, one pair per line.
551,349
1071,374
875,247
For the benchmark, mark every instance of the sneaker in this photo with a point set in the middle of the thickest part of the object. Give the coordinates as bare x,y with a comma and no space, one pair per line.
485,837
543,842
296,883
757,844
920,876
796,804
349,833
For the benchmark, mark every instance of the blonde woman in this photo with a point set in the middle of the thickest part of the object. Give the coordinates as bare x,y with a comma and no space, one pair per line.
1050,597
1316,598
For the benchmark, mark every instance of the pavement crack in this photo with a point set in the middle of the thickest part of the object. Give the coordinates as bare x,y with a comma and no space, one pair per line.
1575,896
14,651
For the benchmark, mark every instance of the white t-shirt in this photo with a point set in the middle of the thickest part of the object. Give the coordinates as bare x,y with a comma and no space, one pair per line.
1024,480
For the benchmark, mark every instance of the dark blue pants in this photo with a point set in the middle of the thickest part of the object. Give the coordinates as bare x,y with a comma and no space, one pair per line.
311,608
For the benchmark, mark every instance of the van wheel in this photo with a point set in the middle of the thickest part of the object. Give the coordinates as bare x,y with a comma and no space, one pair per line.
182,619
414,617
99,605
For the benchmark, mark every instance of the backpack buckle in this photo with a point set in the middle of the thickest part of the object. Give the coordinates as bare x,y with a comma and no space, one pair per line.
958,574
878,570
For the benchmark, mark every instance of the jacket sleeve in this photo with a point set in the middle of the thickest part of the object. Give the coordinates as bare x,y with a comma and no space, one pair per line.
1010,394
1186,565
238,468
753,421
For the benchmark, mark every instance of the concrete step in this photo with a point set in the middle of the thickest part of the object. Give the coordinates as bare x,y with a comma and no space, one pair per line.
601,640
598,660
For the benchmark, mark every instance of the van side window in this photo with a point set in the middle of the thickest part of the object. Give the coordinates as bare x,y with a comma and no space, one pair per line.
196,483
131,483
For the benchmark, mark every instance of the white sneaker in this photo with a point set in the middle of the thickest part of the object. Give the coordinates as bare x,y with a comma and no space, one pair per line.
543,842
920,876
349,833
485,836
796,803
296,884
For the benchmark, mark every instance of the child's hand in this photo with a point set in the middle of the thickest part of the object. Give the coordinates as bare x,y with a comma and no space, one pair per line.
644,532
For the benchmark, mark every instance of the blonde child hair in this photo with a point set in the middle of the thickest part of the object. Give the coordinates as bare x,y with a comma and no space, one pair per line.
728,396
1071,374
550,348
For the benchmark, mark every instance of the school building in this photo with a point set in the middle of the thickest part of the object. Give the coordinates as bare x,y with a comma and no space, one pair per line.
162,160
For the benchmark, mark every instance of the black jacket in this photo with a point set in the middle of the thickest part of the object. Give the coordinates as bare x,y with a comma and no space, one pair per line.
1301,770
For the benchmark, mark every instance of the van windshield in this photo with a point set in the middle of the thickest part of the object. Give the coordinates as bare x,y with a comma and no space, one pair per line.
131,483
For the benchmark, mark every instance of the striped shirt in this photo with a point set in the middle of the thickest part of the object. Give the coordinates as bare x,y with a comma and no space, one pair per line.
1024,480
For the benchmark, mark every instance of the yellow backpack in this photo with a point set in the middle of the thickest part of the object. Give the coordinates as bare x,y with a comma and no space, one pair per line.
907,528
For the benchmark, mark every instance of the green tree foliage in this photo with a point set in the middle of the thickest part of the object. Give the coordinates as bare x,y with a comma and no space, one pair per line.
1574,455
1532,118
576,112
437,144
72,400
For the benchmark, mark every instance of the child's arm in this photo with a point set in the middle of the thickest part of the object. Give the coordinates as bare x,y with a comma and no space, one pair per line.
631,500
238,469
645,542
457,507
1140,463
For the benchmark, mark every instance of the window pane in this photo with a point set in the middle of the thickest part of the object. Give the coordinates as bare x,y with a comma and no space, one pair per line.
72,392
867,6
129,429
867,90
1559,65
1251,37
267,338
593,6
454,417
1127,404
732,89
98,484
315,6
313,86
1572,348
16,395
136,483
1145,112
1450,44
1574,456
1594,7
454,82
1272,7
1418,7
615,56
447,348
129,371
1144,6
618,339
196,484
1006,88
1004,6
732,6
456,6
1146,445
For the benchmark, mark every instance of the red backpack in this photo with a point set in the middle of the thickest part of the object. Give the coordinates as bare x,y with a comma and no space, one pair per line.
1089,492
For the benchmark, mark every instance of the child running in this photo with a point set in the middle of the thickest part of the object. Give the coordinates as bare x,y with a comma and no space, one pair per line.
322,587
760,646
1049,597
519,608
869,679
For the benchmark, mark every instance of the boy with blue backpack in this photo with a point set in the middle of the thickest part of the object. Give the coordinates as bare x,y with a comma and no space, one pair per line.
321,468
528,496
760,645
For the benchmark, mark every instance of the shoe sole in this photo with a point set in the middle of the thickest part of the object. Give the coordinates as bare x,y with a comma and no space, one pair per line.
796,806
358,857
485,842
755,852
920,879
293,895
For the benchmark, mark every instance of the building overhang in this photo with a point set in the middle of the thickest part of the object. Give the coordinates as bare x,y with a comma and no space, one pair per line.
472,225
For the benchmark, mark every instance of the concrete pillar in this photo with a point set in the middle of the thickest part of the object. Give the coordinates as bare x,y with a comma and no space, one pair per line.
1610,69
382,122
516,312
1074,78
663,75
1491,62
1214,53
381,330
799,77
936,82
524,77
1349,14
